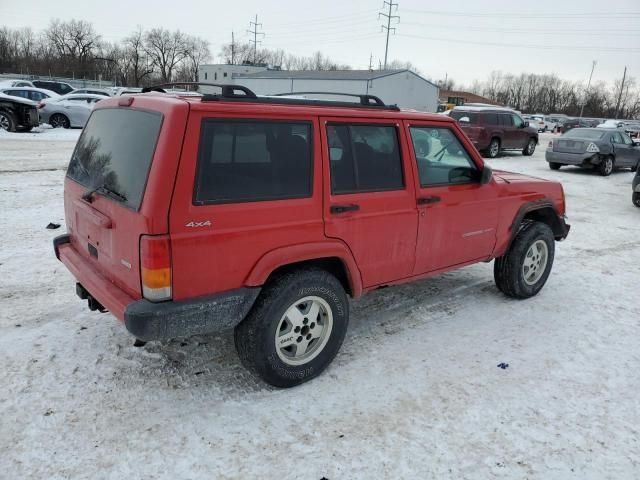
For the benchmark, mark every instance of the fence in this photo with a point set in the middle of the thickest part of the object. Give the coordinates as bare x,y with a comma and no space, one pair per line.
74,82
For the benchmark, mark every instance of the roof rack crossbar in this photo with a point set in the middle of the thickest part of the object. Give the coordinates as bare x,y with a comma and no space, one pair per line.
228,90
368,100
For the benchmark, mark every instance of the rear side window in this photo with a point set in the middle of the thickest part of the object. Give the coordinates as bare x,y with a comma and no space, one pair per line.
114,152
364,158
248,161
491,118
505,120
468,116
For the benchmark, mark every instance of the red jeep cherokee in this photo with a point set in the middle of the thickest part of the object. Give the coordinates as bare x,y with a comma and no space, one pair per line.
262,214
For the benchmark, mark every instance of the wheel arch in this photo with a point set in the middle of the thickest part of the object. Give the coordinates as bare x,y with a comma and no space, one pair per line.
332,256
543,211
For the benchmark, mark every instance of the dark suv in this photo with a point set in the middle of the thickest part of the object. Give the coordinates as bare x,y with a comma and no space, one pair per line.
193,215
61,88
492,129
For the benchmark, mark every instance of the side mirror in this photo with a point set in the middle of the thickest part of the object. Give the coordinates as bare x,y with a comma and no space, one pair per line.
486,175
526,124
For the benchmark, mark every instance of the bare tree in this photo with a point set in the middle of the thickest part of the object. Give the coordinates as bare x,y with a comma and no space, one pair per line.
137,60
165,50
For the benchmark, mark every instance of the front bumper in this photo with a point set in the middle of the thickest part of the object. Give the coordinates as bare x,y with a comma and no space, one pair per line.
155,321
564,228
582,159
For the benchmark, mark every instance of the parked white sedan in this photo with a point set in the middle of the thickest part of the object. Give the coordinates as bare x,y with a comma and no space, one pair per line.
30,93
71,110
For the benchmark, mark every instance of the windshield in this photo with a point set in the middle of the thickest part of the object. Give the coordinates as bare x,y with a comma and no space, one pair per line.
584,133
115,152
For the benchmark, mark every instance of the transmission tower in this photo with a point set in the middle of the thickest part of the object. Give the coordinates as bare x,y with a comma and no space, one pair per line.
255,25
388,26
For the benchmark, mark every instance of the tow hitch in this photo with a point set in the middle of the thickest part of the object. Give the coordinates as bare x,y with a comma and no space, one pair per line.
92,302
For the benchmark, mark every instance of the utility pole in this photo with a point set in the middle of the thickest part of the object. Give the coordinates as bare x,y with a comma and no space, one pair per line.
233,49
255,40
371,62
388,27
624,76
593,66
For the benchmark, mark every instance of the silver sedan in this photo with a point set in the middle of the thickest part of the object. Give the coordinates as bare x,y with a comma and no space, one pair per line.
600,148
69,110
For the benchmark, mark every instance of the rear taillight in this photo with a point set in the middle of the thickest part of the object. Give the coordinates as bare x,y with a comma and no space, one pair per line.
41,104
155,267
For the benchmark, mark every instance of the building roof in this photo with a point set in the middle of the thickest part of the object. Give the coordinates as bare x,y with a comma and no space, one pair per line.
468,97
327,74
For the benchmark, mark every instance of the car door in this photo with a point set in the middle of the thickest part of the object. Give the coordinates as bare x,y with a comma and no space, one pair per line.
508,137
370,200
79,110
457,214
520,133
626,153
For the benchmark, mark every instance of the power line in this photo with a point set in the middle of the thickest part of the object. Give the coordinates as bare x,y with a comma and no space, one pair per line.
589,15
388,27
556,31
255,40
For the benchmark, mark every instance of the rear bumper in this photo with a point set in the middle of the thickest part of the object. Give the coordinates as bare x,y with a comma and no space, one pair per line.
162,321
584,159
155,321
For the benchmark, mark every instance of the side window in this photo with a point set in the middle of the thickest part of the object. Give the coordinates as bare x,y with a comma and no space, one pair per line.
37,96
441,158
491,118
504,120
626,139
364,158
248,161
517,121
616,138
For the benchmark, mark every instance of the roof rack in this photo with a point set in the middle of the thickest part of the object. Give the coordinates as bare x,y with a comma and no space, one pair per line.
228,90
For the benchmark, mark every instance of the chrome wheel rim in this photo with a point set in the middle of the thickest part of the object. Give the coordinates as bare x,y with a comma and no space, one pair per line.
535,262
608,166
4,122
531,147
56,121
494,149
304,330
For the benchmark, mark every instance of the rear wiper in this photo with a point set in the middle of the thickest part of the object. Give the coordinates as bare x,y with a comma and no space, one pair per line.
88,195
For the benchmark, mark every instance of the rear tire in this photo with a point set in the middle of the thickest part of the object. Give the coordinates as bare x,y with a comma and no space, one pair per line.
493,149
8,121
554,165
635,198
58,120
524,269
606,166
635,167
530,147
295,328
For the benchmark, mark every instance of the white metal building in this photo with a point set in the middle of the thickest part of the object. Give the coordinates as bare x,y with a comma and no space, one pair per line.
223,73
402,87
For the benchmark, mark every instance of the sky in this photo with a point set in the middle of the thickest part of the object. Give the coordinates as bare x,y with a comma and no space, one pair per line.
460,39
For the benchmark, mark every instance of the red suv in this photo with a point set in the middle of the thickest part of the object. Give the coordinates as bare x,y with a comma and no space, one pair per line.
263,214
492,129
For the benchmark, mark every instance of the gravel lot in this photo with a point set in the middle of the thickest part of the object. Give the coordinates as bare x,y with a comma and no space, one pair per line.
414,393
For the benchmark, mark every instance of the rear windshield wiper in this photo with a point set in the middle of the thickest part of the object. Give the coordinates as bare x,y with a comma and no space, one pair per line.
88,195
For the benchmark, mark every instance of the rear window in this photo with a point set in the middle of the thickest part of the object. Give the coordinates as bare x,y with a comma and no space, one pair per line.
584,133
248,161
473,117
115,152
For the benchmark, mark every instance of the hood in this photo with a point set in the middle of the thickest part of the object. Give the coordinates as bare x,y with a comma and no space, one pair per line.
24,101
510,177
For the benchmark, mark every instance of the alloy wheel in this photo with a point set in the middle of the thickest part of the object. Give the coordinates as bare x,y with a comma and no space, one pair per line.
535,262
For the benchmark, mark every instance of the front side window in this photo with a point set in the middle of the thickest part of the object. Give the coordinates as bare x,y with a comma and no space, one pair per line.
517,121
441,158
616,138
626,139
253,160
364,158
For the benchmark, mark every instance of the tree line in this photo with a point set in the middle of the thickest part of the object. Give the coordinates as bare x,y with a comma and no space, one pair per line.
547,93
74,49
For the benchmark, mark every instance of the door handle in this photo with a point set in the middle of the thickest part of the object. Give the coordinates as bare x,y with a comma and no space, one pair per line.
344,208
427,200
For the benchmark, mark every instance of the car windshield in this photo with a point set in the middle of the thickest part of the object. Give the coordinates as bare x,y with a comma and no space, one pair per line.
114,153
585,133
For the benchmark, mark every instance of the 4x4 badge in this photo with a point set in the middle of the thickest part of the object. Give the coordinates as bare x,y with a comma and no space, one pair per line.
192,224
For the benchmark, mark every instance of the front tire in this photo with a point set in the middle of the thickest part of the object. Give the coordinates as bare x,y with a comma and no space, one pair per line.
295,328
554,165
524,269
635,198
605,168
530,147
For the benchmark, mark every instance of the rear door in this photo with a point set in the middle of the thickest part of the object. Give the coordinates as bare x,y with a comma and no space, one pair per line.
124,151
370,197
508,137
626,153
520,133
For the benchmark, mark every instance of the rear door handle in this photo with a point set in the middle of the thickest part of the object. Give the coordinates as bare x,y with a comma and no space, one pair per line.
428,200
344,208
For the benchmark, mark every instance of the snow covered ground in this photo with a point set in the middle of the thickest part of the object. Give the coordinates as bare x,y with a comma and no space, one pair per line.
414,393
